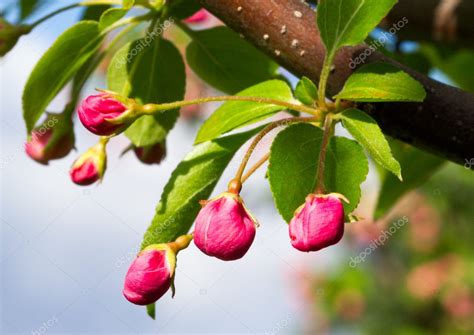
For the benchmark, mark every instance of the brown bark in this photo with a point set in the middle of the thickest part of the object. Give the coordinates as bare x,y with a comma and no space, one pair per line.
442,124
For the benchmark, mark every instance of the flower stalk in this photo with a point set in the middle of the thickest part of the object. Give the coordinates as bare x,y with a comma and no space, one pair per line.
75,5
255,167
154,108
328,123
323,79
261,135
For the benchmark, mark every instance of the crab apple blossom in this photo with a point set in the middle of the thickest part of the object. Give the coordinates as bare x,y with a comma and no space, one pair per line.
152,272
53,139
318,223
90,167
224,229
103,114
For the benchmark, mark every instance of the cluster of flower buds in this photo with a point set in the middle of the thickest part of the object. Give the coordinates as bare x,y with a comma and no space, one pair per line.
107,114
53,139
90,166
9,35
224,227
152,273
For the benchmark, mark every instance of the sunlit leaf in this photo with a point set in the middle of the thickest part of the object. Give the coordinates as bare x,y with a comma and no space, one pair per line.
381,82
367,132
57,66
294,164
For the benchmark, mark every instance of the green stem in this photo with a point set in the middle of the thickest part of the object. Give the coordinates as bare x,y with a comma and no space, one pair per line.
322,155
238,176
181,243
104,139
70,107
255,167
50,15
102,143
323,79
154,108
100,2
75,5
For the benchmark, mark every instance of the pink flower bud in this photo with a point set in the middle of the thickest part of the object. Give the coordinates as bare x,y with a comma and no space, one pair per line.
54,139
151,154
198,17
152,272
90,167
318,223
224,228
150,275
98,112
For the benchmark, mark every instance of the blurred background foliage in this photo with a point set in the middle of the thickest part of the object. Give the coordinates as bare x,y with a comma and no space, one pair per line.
420,281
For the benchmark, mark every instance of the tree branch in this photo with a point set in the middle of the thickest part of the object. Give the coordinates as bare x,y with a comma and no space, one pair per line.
447,21
442,124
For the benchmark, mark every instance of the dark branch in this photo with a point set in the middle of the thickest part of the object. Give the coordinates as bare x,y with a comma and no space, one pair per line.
443,124
435,21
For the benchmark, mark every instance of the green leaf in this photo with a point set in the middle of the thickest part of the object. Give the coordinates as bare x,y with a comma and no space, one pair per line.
150,310
93,12
155,75
86,70
418,166
306,91
193,180
381,82
293,167
110,16
367,132
57,66
182,9
29,7
127,4
349,22
226,61
234,114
